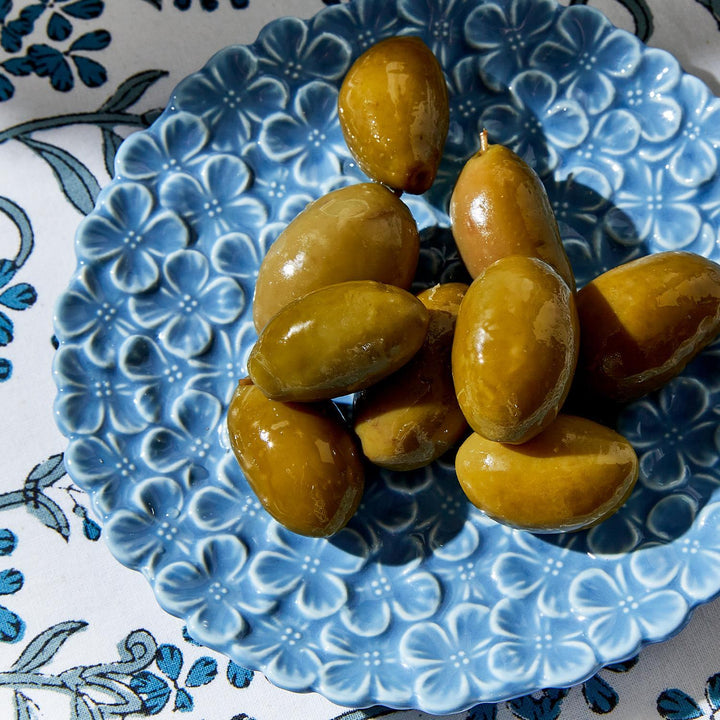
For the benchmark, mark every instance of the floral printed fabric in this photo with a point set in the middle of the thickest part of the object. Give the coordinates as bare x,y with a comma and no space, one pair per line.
83,637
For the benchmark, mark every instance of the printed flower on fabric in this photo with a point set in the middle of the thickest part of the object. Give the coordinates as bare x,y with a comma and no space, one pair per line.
131,234
504,33
532,646
188,304
312,570
309,136
140,533
172,148
588,54
672,431
208,590
359,670
360,24
91,396
287,49
231,95
106,468
621,612
694,159
385,592
536,121
213,199
88,313
449,661
188,442
662,212
690,562
646,94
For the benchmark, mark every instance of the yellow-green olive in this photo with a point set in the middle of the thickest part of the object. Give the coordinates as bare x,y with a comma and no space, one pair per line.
394,113
336,340
574,474
299,459
412,417
515,348
359,232
500,207
643,321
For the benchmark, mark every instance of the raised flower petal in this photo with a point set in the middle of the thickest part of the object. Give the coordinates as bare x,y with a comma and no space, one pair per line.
187,335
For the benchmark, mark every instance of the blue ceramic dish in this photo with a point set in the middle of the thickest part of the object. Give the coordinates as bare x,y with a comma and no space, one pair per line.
421,602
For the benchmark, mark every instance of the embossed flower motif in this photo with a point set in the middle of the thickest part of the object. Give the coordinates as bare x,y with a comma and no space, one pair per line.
587,53
231,95
311,569
105,468
449,661
174,147
359,669
188,443
142,531
91,396
309,136
209,590
533,645
672,432
505,32
694,160
692,560
88,311
285,49
188,304
133,235
239,255
536,120
620,612
361,24
386,592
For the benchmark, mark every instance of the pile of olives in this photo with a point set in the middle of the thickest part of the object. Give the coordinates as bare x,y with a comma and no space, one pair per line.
486,368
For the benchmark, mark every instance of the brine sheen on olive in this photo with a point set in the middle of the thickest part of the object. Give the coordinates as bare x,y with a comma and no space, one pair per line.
643,321
515,349
359,232
571,476
500,207
412,417
337,340
393,111
299,459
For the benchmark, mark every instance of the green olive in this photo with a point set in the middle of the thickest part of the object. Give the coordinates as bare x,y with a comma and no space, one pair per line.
299,459
394,113
359,232
500,207
412,417
336,340
515,348
643,321
574,474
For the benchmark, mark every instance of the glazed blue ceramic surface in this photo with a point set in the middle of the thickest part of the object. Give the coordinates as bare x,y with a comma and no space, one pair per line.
421,601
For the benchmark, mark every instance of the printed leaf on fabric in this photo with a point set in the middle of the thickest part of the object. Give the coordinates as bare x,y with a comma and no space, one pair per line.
675,704
44,646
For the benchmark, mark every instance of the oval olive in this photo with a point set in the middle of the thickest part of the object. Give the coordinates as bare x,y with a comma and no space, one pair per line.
515,348
359,232
574,474
412,417
336,340
394,113
298,458
500,207
643,321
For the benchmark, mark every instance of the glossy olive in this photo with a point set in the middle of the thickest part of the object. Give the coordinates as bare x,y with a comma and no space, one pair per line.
574,474
643,321
515,348
500,207
412,417
359,232
299,459
394,113
336,340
